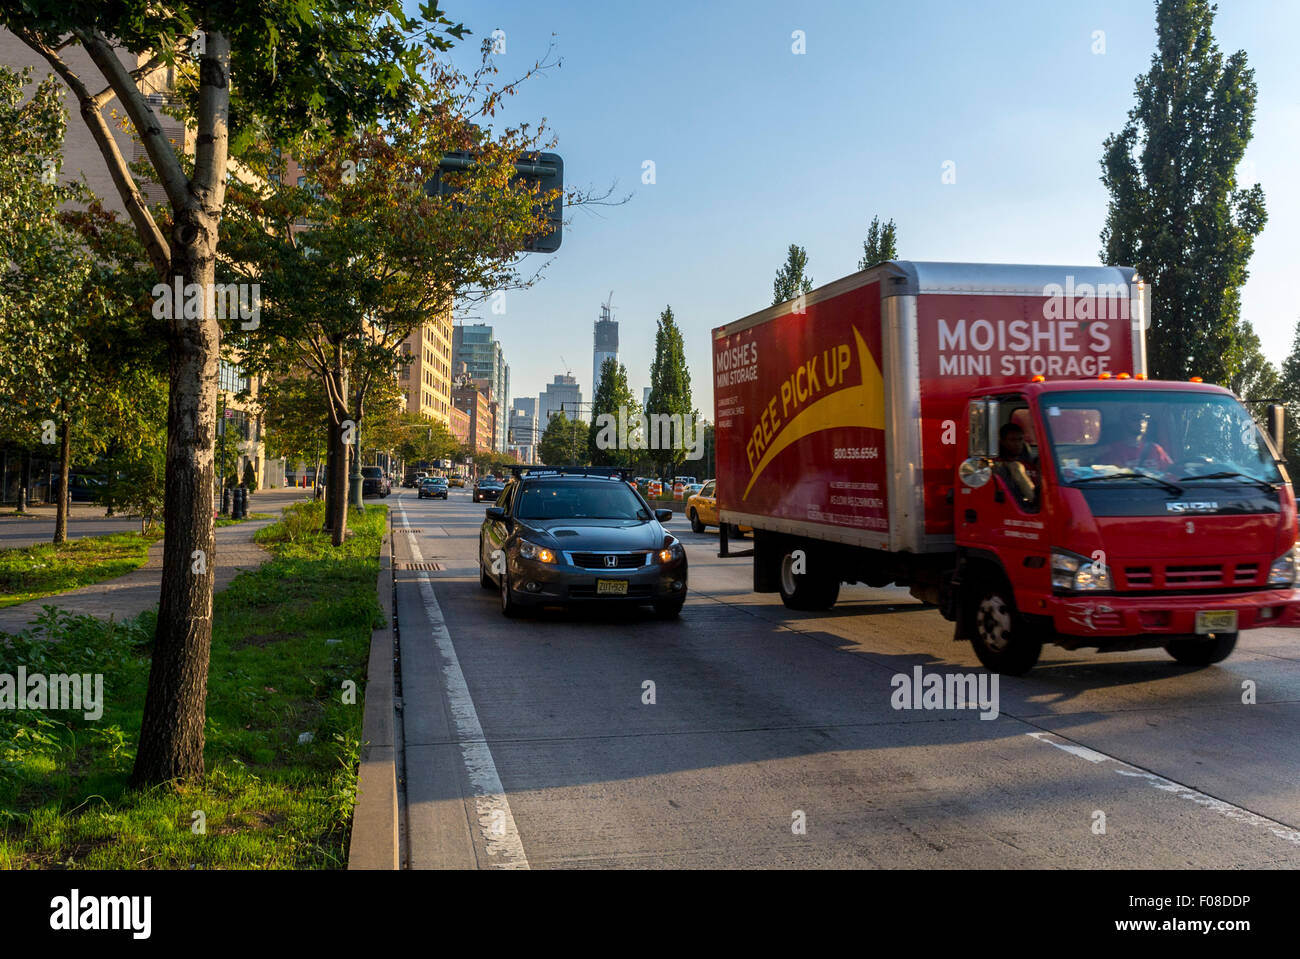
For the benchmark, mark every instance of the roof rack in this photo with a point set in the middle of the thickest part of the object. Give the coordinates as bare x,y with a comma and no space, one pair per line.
606,472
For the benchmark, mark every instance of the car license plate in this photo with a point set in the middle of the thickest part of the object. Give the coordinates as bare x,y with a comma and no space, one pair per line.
611,587
1216,621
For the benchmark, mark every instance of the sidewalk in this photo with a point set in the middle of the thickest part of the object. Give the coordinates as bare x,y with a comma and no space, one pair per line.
132,594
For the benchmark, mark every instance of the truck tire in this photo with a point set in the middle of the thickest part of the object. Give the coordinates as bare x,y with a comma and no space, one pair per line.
997,632
1203,652
696,525
807,590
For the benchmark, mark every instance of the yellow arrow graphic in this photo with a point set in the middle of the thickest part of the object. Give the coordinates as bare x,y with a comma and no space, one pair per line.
862,405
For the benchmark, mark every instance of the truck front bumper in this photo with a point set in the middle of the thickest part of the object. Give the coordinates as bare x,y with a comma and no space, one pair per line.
1159,619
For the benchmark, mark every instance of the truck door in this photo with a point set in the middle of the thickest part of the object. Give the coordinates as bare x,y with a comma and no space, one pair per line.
999,494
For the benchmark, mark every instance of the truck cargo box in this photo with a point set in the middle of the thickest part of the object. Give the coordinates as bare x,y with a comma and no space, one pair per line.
837,413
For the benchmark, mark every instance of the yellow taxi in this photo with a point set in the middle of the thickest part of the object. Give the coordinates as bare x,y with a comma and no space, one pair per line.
702,510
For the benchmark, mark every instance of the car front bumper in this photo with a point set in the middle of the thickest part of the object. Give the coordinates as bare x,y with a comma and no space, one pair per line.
564,584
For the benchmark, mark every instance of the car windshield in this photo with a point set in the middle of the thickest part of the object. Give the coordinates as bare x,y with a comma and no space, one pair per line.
1133,436
580,500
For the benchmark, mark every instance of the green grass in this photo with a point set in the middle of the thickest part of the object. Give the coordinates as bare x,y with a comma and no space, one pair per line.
227,521
46,570
269,800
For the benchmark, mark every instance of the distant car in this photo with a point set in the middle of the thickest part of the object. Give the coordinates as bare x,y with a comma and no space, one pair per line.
82,487
433,487
457,481
488,488
702,510
691,489
374,482
565,539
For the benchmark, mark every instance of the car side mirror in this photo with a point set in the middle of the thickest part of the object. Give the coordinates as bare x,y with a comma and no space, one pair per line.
496,513
663,515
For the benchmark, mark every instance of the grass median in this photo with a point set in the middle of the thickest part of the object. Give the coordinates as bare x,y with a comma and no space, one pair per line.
34,572
285,692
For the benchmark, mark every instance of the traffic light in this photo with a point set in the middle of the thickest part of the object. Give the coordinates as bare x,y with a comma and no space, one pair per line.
544,169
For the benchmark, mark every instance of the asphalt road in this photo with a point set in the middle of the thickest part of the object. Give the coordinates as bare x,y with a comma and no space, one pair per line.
773,739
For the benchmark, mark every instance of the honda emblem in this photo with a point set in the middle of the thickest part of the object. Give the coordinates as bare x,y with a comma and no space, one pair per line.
611,561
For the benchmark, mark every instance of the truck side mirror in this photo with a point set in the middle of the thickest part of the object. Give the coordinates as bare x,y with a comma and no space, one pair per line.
975,471
1277,428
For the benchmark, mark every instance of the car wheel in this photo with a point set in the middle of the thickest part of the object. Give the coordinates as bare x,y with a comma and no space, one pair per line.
997,632
484,579
1203,652
669,608
806,590
510,607
696,525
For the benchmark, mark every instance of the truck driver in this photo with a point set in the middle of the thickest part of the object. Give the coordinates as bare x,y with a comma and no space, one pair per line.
1131,448
1014,464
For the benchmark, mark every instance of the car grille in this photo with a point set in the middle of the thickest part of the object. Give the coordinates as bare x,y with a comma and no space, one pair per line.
1191,576
624,560
633,589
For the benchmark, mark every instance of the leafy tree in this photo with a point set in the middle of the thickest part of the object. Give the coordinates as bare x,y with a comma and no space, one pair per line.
791,279
613,397
382,256
135,463
670,388
71,293
1288,391
880,245
1176,213
564,443
299,66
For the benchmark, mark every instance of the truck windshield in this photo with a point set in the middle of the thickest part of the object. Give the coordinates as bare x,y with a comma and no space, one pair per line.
1132,436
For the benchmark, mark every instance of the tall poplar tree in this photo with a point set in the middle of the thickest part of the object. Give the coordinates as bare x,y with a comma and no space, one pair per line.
1176,211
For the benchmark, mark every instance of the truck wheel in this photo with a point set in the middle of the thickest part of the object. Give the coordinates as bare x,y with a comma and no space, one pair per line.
733,532
806,591
997,632
696,525
1203,652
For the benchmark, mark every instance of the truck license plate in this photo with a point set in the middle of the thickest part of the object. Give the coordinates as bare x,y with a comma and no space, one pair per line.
1216,621
618,587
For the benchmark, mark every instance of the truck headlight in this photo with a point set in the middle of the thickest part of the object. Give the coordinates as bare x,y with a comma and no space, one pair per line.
534,552
1283,570
1078,573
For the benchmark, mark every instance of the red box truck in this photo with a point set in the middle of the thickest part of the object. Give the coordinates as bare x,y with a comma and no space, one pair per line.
986,436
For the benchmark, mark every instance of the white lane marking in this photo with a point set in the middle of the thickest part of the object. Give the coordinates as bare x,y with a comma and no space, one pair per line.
496,821
1225,809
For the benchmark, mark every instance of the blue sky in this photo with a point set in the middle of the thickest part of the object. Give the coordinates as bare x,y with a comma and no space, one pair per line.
756,148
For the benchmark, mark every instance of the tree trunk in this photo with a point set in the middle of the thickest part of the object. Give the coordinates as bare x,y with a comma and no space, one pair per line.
65,468
171,734
339,479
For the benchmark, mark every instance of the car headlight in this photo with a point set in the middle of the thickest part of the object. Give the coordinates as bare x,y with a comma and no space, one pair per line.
671,552
534,552
1078,573
1283,570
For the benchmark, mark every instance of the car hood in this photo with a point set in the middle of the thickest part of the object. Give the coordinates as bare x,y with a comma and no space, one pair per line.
594,534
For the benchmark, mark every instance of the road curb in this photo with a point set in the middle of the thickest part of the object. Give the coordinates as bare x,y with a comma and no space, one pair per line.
374,842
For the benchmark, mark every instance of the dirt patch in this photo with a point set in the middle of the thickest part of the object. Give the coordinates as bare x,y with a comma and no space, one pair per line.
262,639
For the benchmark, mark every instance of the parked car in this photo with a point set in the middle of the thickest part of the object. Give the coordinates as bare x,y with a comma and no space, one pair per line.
82,487
374,482
433,487
563,539
702,510
488,488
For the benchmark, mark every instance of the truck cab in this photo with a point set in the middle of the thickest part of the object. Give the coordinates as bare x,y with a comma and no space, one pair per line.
1118,513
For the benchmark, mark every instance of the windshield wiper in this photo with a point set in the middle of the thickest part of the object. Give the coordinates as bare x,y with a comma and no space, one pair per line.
1176,490
1229,474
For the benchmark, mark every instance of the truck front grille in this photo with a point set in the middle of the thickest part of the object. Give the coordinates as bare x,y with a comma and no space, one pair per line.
1190,577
